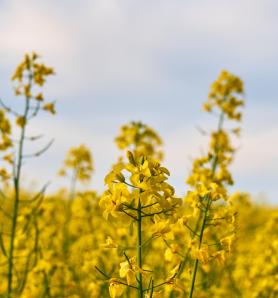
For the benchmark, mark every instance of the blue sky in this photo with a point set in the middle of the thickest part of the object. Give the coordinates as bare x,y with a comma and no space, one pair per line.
152,61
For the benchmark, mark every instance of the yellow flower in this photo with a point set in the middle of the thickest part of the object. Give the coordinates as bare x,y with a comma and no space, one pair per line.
228,241
162,228
39,97
21,121
9,158
115,288
79,160
27,90
225,94
201,254
143,138
110,243
4,174
50,107
220,257
128,270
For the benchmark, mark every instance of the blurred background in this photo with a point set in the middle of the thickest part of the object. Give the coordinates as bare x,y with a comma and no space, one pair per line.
153,61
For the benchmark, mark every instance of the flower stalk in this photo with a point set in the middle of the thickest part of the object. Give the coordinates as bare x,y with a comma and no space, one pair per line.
139,250
17,197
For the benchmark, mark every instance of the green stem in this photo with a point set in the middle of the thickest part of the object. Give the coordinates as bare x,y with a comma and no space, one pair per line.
73,185
68,213
186,257
214,167
46,286
17,176
209,202
215,160
196,263
139,250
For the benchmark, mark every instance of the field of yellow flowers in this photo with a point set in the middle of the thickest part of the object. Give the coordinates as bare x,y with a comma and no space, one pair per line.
136,239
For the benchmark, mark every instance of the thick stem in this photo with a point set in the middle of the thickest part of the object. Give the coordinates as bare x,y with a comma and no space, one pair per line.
139,250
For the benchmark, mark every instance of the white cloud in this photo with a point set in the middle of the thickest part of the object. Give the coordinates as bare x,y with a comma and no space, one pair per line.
107,43
32,25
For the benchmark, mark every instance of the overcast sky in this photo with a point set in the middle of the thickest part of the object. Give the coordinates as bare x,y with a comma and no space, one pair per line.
152,61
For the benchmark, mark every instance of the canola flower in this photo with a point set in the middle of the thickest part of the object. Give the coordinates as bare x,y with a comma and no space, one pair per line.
29,77
138,192
210,177
5,143
141,139
80,163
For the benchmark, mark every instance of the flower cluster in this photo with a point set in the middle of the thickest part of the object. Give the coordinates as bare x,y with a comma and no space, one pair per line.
226,94
146,182
212,216
29,77
5,142
19,238
138,193
79,160
141,139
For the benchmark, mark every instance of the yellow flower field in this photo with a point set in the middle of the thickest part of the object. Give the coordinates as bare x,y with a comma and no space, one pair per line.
136,238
